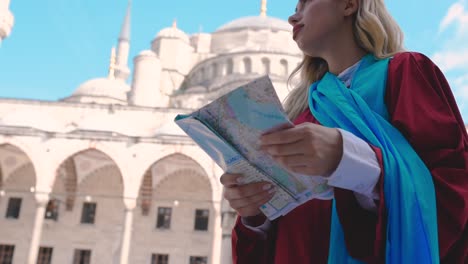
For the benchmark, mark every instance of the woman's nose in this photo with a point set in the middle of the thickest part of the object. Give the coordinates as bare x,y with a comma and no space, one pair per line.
293,19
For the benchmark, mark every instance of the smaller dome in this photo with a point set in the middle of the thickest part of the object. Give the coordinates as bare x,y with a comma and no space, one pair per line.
173,32
103,87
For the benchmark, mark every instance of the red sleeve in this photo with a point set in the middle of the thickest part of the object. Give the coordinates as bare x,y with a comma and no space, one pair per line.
249,247
422,107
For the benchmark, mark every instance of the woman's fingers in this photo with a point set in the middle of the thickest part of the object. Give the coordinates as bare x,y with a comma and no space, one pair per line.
252,201
230,180
254,208
285,136
286,149
246,190
294,160
246,198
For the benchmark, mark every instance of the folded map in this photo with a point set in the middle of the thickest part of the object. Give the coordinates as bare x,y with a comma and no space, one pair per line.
228,130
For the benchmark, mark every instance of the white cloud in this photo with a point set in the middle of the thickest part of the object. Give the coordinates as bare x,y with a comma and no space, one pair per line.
456,12
461,96
462,81
452,57
459,85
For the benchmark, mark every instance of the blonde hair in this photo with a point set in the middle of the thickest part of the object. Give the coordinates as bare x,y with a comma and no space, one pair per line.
375,31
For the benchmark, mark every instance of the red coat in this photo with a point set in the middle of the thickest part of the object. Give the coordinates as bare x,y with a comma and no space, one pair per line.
421,105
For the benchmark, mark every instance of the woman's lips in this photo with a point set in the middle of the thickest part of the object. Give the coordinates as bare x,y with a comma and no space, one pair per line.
296,30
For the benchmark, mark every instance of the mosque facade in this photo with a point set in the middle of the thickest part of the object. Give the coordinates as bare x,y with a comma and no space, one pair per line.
105,176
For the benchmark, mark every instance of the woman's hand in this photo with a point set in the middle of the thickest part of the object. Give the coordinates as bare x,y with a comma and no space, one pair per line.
307,148
246,198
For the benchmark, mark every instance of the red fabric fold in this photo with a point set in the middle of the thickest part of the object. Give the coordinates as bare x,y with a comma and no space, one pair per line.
421,105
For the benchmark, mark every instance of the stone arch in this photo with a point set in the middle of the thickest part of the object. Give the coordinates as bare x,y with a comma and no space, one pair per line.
20,179
197,154
146,192
110,152
16,168
66,182
247,65
284,67
161,170
20,145
75,169
266,65
185,185
103,188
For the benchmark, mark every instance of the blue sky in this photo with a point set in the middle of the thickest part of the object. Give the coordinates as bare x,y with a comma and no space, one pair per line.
56,45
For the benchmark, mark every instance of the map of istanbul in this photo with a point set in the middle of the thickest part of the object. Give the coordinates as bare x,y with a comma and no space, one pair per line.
228,130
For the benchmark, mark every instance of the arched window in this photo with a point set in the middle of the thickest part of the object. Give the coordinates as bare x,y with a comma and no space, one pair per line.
284,66
247,65
266,65
229,67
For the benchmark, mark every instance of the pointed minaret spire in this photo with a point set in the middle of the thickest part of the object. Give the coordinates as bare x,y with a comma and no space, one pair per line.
122,71
125,31
263,8
174,23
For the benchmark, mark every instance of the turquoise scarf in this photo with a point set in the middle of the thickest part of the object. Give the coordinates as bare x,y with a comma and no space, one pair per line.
408,187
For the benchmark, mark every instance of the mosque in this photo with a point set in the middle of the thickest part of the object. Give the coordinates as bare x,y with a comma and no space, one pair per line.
105,176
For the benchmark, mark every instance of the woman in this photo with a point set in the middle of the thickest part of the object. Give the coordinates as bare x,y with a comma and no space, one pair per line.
382,125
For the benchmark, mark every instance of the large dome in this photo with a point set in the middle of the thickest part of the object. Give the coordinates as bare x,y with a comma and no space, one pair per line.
114,90
256,22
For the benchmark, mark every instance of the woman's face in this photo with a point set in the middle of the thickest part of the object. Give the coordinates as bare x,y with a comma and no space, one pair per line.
317,24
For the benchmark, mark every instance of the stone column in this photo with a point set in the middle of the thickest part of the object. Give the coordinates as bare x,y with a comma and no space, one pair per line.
228,220
130,204
41,200
217,233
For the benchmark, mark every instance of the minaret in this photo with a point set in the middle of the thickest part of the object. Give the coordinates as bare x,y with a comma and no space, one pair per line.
6,19
112,65
146,85
263,8
122,71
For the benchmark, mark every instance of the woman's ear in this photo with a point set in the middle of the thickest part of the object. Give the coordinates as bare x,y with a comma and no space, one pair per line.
351,7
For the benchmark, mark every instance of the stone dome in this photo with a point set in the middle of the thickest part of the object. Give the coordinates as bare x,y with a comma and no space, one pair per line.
256,22
113,89
173,32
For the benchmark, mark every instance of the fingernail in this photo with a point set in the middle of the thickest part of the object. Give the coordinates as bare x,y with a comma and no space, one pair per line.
240,180
266,186
273,190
